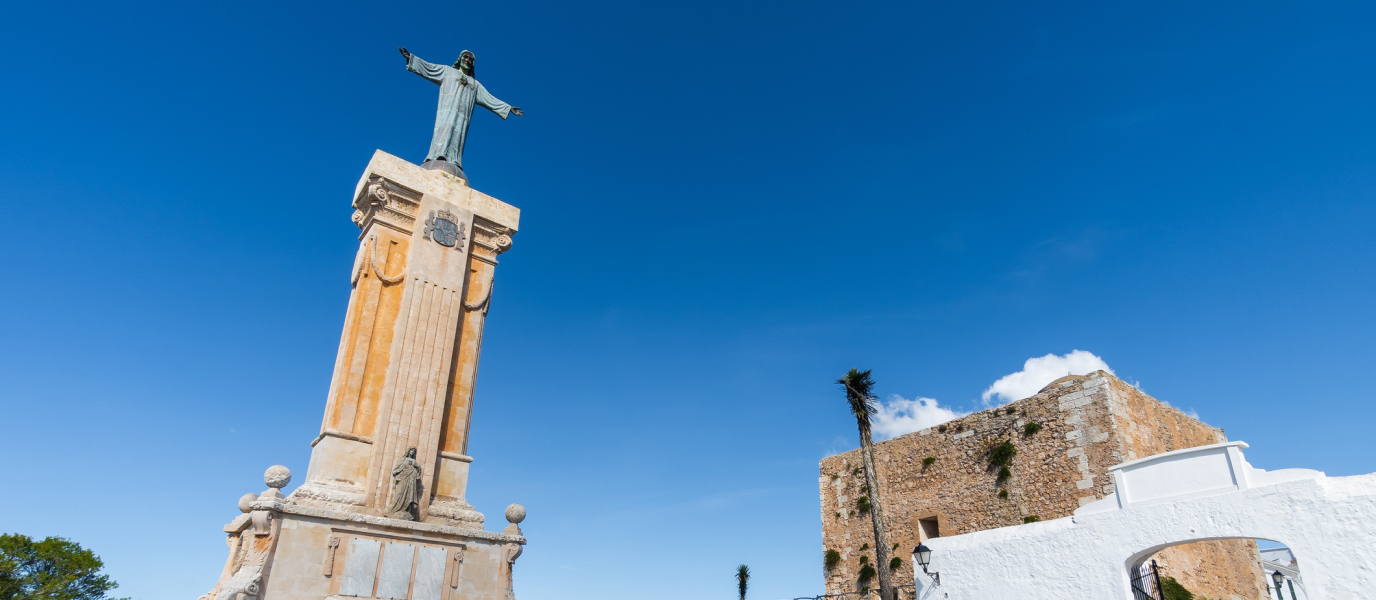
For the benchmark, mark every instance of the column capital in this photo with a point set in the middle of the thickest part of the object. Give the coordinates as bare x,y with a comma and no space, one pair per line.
390,191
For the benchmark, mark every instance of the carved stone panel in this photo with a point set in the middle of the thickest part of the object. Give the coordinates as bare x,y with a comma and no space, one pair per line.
360,568
429,580
394,578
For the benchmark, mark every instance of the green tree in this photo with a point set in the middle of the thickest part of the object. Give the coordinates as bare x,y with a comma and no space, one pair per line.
859,387
742,579
53,569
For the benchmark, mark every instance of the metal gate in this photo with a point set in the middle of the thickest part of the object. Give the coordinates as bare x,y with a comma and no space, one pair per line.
1146,583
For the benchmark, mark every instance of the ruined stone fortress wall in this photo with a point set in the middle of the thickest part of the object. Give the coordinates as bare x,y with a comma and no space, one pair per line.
1088,423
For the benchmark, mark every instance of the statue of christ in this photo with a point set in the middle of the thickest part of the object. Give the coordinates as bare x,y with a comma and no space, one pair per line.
459,91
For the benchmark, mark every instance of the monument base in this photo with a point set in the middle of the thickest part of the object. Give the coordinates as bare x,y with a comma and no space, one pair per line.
279,549
446,166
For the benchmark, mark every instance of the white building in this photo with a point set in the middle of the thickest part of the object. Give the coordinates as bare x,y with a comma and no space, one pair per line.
1203,493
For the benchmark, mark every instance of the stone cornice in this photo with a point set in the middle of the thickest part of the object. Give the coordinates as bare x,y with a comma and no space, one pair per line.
341,434
439,184
456,456
321,513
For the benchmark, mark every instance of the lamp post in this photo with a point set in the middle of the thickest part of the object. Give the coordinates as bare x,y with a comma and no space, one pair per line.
1279,579
922,555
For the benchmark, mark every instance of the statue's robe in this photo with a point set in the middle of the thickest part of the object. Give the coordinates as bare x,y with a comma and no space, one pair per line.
458,94
405,480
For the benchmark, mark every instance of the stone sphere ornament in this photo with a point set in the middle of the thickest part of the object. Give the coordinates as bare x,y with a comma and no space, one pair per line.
515,513
277,476
245,501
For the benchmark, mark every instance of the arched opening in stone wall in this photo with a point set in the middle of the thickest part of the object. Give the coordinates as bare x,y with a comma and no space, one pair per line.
1234,568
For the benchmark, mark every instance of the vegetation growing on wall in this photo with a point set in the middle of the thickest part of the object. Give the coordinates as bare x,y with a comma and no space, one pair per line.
929,461
1001,454
862,504
1030,519
830,559
867,571
1031,428
1172,590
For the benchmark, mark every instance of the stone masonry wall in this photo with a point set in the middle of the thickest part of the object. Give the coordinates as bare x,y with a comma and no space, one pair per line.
1148,426
1088,423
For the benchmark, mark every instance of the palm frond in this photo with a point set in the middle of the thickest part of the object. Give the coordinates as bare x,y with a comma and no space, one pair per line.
742,579
859,387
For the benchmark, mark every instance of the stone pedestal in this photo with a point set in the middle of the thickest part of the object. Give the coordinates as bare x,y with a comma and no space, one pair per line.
404,378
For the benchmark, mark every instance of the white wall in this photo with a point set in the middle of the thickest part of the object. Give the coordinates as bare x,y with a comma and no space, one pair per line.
1174,498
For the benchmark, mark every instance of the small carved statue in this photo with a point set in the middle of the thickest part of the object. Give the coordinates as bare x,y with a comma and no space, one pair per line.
405,488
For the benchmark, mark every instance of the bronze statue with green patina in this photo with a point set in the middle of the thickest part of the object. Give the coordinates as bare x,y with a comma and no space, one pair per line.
459,93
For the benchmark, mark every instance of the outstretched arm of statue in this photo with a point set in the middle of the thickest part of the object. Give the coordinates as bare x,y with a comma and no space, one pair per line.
405,52
486,100
430,71
516,110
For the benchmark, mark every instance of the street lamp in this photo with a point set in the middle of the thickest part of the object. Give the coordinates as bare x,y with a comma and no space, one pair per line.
1279,579
922,555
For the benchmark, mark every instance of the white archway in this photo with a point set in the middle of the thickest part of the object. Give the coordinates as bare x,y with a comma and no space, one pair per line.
1201,493
1140,564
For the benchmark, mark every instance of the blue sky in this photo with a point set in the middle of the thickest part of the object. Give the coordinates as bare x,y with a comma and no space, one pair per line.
726,205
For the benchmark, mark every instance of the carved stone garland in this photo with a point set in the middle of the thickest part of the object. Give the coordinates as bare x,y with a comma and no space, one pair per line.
367,255
487,299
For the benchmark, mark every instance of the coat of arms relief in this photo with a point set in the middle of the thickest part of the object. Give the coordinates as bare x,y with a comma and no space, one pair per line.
445,229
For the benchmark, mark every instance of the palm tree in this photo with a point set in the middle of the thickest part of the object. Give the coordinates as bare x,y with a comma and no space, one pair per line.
742,579
859,388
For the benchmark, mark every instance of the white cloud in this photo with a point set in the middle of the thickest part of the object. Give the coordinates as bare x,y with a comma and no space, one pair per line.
1039,371
900,415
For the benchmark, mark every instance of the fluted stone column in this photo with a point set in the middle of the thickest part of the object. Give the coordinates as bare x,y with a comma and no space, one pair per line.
407,363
